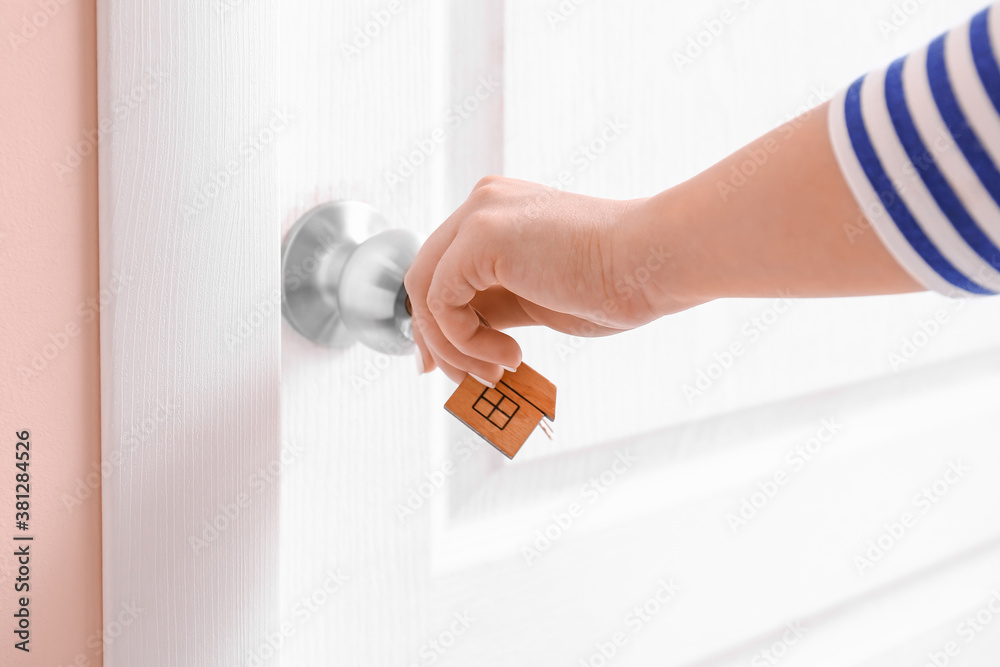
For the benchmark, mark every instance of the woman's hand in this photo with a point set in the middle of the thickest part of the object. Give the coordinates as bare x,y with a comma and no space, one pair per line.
520,254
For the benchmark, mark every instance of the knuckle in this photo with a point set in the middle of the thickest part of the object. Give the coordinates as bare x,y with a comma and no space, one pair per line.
435,305
489,192
487,180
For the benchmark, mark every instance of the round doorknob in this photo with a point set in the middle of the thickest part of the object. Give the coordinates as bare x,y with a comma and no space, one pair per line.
342,278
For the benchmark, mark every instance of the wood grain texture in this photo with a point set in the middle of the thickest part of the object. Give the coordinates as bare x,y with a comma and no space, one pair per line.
362,425
666,517
614,62
361,496
376,557
189,235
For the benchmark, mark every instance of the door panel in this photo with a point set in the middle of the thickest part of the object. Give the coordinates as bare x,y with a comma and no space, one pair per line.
429,523
362,424
401,538
595,101
190,365
460,547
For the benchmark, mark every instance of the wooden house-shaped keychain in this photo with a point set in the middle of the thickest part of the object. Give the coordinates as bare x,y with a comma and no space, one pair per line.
506,415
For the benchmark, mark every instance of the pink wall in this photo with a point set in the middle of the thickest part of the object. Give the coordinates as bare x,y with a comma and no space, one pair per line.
49,368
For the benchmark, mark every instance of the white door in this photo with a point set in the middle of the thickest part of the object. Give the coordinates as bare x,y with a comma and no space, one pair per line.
812,501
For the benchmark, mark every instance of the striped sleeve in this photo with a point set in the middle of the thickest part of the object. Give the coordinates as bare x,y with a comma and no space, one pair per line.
918,143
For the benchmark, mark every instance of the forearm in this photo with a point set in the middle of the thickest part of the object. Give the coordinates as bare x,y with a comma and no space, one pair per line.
775,216
892,187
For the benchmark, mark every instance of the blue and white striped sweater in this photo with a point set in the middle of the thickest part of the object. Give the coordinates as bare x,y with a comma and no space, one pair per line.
919,145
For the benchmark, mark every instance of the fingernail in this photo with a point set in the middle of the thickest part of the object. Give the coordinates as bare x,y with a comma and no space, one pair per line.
508,369
419,357
481,380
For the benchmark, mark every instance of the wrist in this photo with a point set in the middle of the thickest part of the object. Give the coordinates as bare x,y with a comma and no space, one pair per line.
668,253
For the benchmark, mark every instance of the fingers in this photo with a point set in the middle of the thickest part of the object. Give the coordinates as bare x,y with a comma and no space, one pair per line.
447,356
434,345
571,325
461,274
425,362
418,279
501,308
429,360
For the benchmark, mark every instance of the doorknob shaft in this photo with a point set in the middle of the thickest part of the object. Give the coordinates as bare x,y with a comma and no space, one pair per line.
342,278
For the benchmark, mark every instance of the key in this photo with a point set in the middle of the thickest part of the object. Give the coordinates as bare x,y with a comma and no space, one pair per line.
506,415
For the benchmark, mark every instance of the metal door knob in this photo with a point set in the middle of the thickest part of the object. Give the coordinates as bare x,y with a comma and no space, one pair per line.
342,278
